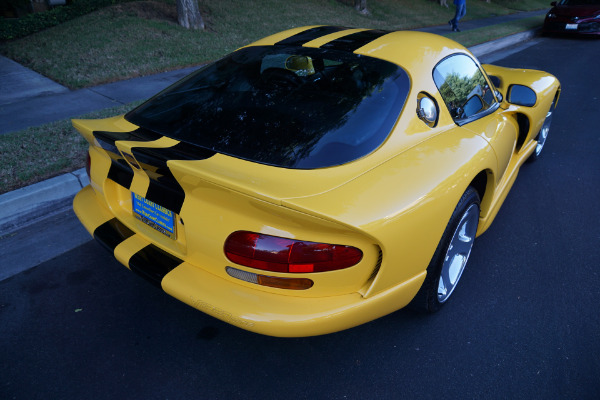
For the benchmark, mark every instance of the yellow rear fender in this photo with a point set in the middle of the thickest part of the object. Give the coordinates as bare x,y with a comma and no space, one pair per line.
415,199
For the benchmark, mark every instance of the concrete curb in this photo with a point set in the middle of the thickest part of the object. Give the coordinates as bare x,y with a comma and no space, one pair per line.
486,48
27,205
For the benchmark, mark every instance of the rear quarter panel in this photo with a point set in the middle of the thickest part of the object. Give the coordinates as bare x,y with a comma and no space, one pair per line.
406,203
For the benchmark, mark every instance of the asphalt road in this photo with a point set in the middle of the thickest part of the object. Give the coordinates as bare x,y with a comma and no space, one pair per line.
523,324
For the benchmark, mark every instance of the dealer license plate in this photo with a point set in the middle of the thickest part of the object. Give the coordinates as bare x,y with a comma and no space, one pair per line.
156,216
571,26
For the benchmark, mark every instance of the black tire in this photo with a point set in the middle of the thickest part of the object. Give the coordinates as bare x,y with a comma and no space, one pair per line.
465,216
542,135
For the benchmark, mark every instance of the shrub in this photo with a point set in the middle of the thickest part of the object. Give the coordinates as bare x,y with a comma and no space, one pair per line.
18,27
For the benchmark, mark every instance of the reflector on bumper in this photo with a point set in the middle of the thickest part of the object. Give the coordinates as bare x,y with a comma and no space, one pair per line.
272,281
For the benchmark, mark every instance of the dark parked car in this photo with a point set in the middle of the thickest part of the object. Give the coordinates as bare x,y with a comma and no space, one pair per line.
574,16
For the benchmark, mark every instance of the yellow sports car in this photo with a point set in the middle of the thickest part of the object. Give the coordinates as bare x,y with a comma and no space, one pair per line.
316,179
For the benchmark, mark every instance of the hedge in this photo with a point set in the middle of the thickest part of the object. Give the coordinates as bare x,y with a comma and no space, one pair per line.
13,28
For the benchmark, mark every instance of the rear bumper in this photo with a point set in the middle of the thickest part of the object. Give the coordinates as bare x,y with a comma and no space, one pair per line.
254,310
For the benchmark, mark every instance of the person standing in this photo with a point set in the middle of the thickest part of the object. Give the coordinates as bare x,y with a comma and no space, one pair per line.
461,10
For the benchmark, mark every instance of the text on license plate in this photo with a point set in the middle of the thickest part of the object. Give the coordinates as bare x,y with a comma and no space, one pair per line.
156,216
571,26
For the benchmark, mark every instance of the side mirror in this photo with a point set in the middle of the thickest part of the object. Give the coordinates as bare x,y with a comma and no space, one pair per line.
553,4
472,106
521,96
427,111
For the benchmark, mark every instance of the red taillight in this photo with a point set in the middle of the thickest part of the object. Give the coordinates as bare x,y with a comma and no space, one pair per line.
272,253
88,164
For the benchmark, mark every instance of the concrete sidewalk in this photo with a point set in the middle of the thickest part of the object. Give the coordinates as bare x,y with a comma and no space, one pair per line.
20,109
20,83
29,99
481,23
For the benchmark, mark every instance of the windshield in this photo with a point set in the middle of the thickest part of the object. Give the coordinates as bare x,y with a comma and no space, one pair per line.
293,107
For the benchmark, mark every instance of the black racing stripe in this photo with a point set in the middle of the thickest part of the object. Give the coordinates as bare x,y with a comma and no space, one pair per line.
164,188
354,41
120,172
152,263
181,151
310,34
138,135
111,233
105,142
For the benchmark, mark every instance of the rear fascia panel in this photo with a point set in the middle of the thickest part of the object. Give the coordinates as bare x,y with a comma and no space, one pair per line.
246,306
211,212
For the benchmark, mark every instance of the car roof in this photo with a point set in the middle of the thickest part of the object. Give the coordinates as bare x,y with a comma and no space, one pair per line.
409,49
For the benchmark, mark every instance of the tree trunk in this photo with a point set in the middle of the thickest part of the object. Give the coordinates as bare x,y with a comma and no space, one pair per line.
188,14
361,6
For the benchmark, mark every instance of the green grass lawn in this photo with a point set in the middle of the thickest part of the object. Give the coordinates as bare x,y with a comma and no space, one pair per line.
140,38
34,154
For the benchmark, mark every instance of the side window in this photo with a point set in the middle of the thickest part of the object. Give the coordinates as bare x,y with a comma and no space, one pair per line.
463,87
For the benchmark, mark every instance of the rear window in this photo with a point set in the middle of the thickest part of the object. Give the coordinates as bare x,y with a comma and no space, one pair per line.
290,107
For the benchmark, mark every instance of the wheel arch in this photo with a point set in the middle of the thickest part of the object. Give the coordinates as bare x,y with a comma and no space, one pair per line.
524,126
484,183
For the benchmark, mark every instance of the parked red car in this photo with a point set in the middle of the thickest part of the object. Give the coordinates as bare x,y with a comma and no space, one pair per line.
573,16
